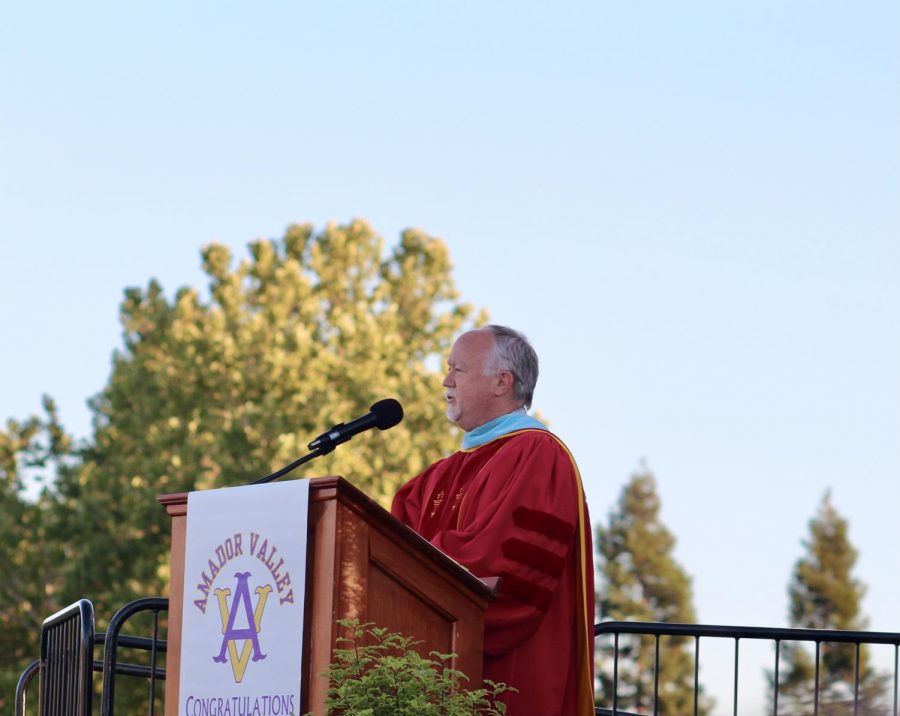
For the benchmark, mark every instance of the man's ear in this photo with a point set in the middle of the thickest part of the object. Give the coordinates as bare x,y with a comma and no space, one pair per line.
504,383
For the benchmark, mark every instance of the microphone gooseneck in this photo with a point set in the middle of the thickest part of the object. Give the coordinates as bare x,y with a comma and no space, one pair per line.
382,415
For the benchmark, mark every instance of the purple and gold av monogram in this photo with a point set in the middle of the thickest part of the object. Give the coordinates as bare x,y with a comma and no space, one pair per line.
242,618
240,612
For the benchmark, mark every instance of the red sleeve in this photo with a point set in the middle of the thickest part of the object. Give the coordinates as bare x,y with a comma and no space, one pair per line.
517,521
407,503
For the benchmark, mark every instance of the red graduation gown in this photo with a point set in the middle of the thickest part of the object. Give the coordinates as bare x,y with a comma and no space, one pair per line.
514,508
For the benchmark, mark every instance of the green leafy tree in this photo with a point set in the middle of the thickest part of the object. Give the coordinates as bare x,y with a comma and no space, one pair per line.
824,594
217,387
640,580
30,451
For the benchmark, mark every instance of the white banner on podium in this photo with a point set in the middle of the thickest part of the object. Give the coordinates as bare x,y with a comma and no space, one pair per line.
244,578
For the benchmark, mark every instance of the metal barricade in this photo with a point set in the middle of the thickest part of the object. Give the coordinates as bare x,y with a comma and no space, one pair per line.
22,686
815,637
114,640
67,642
67,661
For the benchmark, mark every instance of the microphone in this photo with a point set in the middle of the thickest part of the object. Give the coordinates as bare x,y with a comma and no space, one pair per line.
383,415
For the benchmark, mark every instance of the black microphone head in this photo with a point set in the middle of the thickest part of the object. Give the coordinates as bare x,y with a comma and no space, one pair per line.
388,413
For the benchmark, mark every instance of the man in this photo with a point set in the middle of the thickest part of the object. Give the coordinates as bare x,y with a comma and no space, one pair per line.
510,504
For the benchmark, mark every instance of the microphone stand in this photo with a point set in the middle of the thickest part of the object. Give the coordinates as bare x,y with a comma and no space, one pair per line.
318,452
385,414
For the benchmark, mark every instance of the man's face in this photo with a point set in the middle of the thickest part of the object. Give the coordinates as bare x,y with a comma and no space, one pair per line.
470,393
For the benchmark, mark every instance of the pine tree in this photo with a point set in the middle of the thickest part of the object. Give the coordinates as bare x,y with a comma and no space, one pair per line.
824,594
640,580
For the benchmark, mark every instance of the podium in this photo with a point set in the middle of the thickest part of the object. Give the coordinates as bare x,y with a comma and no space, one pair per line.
363,564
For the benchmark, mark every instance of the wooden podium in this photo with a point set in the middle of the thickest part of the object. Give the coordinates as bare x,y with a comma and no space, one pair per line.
361,563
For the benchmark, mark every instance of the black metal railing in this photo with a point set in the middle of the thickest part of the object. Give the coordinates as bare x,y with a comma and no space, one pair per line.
113,640
22,686
67,665
777,636
67,640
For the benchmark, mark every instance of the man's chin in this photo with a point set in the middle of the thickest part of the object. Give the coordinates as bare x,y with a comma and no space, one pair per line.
452,413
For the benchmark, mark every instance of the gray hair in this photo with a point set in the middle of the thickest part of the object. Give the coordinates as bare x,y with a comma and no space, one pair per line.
514,353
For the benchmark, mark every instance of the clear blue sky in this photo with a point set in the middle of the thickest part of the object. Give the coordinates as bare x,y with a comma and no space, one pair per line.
693,209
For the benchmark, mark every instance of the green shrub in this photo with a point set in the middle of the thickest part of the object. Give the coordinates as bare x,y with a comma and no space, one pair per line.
379,674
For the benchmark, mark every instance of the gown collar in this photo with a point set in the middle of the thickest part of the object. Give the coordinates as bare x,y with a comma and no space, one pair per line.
498,427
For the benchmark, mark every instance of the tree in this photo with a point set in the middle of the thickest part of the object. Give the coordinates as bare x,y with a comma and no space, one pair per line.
640,580
219,388
29,550
824,594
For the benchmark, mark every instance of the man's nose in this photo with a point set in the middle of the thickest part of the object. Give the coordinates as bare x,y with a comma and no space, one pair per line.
448,383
